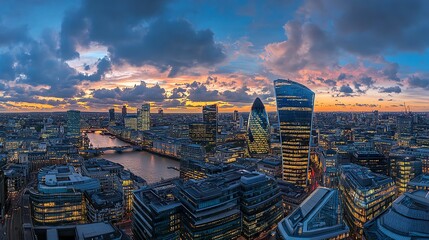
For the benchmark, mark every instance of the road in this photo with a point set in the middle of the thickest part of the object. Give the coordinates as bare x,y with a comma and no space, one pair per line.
14,220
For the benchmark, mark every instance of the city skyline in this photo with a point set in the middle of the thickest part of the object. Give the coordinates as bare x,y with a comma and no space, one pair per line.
262,119
70,59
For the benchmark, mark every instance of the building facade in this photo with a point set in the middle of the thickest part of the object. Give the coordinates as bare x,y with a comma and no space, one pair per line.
295,104
404,168
210,118
318,217
59,197
261,205
258,129
364,195
143,117
407,218
73,123
156,213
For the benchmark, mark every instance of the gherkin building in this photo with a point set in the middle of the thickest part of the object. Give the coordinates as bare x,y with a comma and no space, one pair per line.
258,129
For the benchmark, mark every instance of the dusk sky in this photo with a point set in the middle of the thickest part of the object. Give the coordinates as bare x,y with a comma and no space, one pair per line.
179,55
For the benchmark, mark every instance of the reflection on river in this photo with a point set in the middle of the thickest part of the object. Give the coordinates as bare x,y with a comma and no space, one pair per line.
150,167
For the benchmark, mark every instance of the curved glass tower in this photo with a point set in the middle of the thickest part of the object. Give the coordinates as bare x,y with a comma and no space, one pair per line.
295,103
258,129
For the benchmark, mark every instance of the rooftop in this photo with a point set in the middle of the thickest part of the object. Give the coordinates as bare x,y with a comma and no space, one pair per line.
362,177
407,218
307,222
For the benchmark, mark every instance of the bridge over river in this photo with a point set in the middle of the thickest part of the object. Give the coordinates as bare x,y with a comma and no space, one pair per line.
117,149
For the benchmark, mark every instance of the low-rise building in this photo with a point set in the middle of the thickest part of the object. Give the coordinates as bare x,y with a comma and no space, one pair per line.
318,217
364,195
59,197
107,206
156,212
407,218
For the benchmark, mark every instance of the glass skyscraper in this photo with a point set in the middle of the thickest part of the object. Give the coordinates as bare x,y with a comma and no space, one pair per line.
295,103
143,117
210,120
258,129
73,123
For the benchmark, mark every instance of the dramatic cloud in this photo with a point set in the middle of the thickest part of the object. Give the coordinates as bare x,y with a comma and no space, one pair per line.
346,89
13,35
170,45
308,46
36,65
418,82
199,93
137,94
395,89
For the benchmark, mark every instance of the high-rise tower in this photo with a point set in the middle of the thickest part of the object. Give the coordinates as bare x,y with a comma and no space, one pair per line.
73,123
143,117
210,120
258,129
295,103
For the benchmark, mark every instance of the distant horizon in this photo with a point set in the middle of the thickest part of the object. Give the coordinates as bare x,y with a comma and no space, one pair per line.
118,112
180,55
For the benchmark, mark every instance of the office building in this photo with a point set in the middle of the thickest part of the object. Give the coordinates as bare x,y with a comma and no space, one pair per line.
112,115
202,133
211,208
375,161
404,125
261,205
124,112
404,167
107,206
210,118
103,170
270,167
130,122
143,117
258,130
421,182
73,123
156,213
59,197
318,217
407,218
295,104
125,184
235,116
364,195
90,231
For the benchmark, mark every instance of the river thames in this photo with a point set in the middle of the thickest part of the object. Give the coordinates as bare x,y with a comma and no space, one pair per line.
149,166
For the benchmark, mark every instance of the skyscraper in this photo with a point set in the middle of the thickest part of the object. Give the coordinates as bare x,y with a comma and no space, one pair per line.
124,112
73,123
235,116
143,117
295,103
112,115
210,120
258,129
